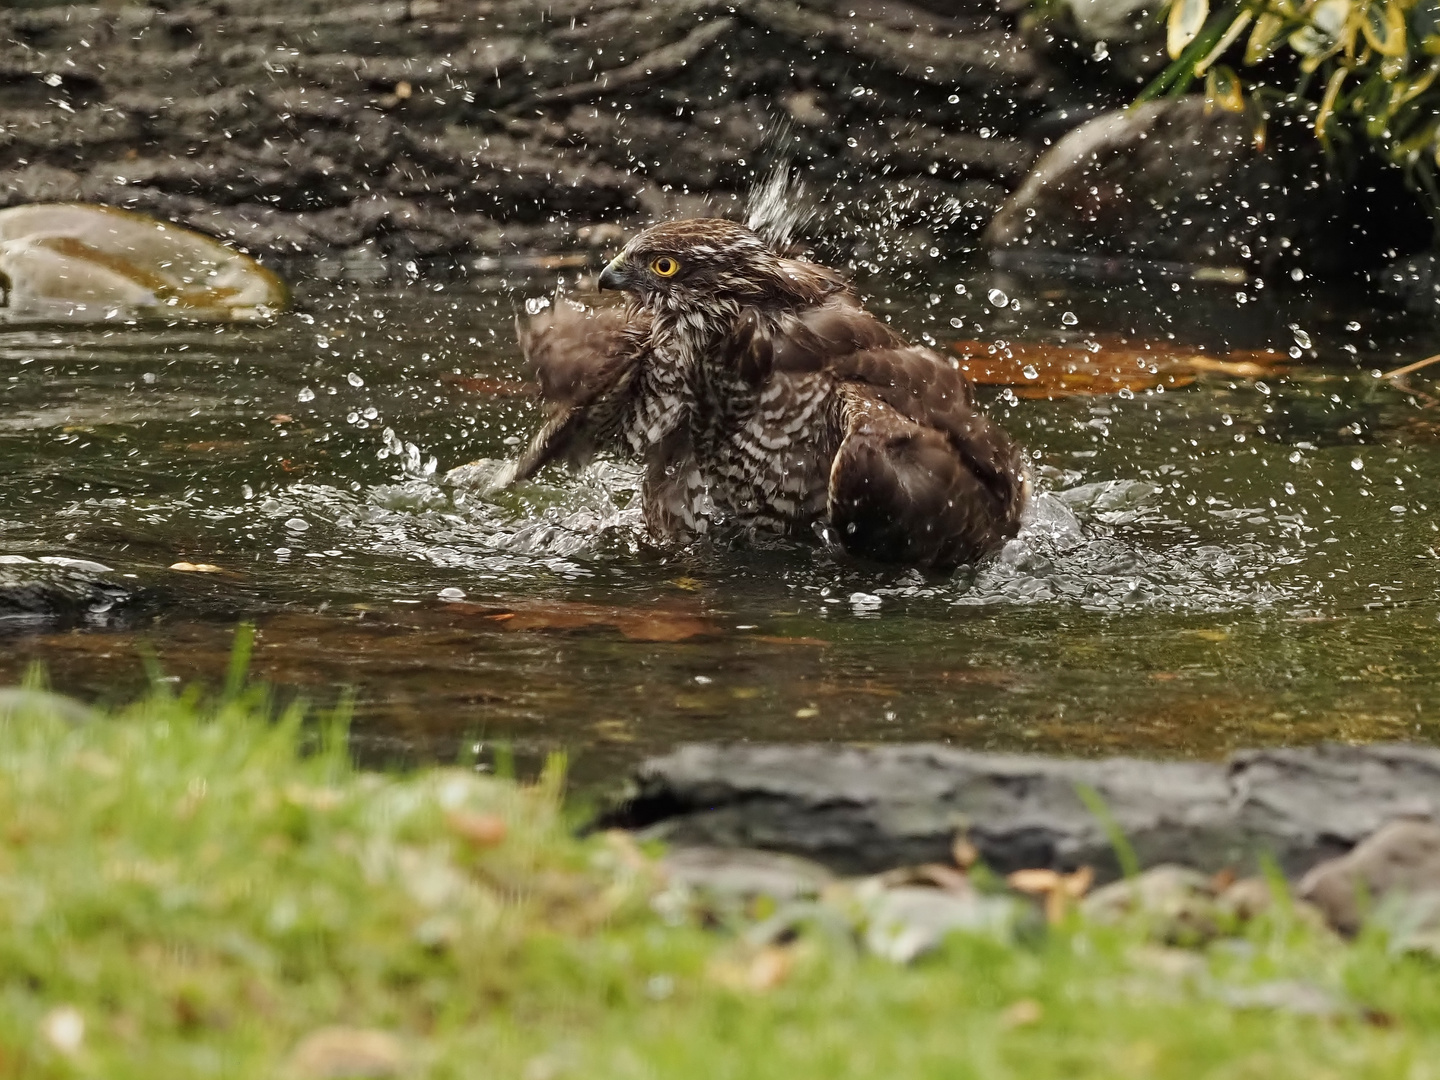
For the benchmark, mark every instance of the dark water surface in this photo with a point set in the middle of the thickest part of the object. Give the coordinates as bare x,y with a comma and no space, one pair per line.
1227,564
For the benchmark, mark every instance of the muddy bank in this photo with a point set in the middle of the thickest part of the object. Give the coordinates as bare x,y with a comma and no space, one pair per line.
862,810
440,127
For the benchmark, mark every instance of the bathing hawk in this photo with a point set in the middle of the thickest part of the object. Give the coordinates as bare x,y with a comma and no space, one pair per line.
758,394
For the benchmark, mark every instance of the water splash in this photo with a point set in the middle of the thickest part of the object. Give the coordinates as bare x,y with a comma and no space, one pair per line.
777,207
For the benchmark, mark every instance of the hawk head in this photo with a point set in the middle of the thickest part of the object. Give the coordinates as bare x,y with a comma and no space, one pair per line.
705,262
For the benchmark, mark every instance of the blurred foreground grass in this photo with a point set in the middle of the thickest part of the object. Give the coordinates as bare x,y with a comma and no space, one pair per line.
192,887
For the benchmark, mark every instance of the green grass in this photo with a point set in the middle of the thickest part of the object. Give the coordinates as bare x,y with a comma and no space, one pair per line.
205,884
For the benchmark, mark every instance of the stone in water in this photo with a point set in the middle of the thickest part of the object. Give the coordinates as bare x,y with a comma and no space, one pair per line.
98,262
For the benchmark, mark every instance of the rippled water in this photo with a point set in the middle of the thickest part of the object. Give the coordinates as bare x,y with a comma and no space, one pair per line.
1231,563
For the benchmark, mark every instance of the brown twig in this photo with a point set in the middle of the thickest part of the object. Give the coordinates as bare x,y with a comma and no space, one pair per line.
1408,368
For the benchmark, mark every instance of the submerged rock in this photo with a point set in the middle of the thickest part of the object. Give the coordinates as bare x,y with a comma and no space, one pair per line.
92,262
1174,182
868,809
54,588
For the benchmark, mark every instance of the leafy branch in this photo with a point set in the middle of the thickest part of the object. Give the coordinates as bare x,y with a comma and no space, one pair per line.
1371,67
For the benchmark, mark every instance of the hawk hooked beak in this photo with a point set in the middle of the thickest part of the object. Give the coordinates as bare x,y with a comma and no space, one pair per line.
614,276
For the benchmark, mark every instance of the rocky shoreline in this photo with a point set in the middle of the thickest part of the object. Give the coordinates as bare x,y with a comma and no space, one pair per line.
1347,825
441,129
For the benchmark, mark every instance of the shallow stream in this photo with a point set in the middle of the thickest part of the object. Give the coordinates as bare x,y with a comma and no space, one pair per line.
1233,562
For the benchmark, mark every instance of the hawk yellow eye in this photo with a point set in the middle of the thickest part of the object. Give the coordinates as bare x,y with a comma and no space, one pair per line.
665,266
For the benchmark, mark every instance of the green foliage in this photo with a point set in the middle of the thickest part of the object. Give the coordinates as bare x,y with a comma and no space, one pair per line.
192,886
1370,68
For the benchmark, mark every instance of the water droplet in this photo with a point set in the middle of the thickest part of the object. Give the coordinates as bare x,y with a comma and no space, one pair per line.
297,524
1301,338
997,298
1297,274
1069,318
1356,464
1029,372
305,394
354,380
452,594
535,305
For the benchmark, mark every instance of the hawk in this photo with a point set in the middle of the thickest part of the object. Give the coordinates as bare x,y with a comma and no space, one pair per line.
758,394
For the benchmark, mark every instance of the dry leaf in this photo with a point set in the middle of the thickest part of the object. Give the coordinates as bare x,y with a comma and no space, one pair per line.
196,568
763,972
477,830
1057,889
335,1053
638,624
1034,882
964,852
1104,366
1022,1013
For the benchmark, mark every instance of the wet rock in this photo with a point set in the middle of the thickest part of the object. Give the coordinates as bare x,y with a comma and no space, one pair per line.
346,1053
279,125
744,874
904,923
1414,282
868,809
1403,859
55,589
76,261
1168,181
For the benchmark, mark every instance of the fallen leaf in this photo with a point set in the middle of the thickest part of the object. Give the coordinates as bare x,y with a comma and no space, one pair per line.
477,830
964,852
196,568
282,418
346,1053
1057,889
1022,1013
764,971
657,623
1104,366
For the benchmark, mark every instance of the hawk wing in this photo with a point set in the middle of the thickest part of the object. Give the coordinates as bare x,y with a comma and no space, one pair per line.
585,360
920,475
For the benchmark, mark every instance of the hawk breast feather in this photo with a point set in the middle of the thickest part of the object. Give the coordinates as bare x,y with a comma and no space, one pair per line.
907,468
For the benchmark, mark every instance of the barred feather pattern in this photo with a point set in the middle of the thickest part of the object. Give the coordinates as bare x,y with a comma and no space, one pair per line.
761,396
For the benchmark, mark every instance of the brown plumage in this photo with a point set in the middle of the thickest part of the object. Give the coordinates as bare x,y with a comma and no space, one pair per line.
759,394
